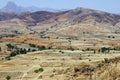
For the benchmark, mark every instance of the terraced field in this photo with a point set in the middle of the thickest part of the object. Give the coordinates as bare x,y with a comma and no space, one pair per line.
56,65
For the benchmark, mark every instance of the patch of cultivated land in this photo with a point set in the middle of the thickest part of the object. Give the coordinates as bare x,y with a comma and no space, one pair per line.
58,65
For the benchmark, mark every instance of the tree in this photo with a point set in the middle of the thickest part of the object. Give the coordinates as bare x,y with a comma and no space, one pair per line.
29,50
8,77
7,58
0,48
104,49
36,71
113,37
41,48
41,69
109,36
10,46
106,60
32,45
13,54
33,50
23,51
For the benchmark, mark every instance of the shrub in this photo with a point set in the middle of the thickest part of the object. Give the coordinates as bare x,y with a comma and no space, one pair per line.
10,46
32,45
106,60
41,48
8,77
104,49
76,69
36,71
39,70
80,58
7,58
13,54
100,65
89,59
33,50
29,50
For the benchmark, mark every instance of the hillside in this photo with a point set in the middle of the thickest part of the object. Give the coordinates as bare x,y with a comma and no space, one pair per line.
71,23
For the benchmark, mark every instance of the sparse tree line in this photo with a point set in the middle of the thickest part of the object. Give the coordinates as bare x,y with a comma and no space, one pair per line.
16,51
100,50
38,47
103,49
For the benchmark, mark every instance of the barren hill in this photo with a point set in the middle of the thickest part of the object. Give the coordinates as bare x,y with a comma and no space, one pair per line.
74,23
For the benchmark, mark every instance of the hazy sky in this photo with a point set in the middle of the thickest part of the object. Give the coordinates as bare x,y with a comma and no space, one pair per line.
104,5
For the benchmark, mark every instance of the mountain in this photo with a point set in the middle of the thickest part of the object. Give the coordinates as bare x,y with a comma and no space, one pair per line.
73,22
12,7
74,16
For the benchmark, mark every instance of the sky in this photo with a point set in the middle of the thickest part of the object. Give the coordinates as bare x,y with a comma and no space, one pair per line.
112,6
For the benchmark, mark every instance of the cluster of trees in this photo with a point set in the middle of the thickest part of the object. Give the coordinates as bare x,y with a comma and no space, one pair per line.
17,52
20,51
13,48
104,49
38,47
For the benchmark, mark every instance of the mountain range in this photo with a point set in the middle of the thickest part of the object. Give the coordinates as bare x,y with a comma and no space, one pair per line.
74,22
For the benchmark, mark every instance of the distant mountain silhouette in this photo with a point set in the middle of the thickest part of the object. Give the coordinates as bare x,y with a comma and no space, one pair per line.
12,7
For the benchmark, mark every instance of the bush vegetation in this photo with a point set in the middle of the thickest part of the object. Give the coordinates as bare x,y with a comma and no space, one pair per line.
39,70
8,77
